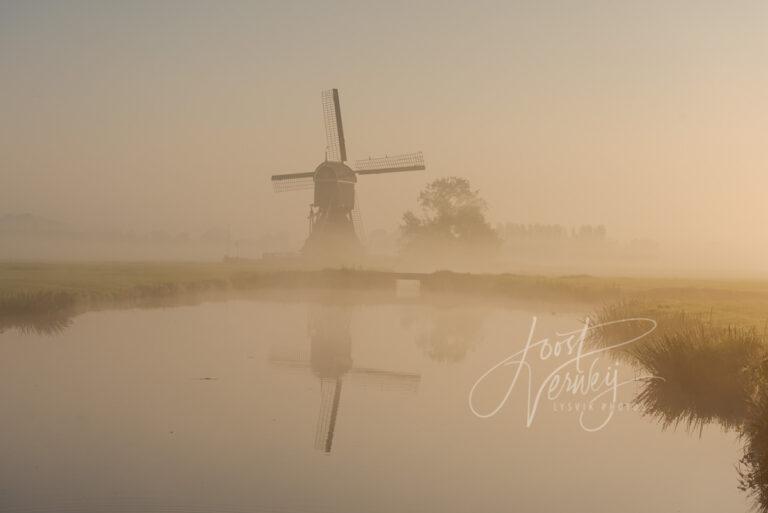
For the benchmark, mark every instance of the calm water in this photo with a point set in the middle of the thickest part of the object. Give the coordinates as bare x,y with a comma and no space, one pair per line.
293,407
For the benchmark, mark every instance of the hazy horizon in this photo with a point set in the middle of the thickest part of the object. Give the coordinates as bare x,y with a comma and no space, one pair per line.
648,118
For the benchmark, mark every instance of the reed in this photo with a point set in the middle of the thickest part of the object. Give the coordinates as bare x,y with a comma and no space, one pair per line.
701,374
698,372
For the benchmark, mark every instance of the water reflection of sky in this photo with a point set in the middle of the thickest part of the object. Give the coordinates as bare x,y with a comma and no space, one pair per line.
224,406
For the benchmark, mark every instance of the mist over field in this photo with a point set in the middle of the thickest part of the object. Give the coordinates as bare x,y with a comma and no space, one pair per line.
158,141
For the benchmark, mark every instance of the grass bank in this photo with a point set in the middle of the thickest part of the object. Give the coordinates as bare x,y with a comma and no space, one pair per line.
44,288
38,289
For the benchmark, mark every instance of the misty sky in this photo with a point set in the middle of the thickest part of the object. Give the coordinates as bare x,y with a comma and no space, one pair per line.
650,117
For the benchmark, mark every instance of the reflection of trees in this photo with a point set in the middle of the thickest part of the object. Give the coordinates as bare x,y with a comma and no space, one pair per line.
451,334
701,374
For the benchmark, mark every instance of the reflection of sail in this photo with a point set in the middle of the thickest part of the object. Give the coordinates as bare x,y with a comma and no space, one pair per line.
330,395
384,380
330,359
359,376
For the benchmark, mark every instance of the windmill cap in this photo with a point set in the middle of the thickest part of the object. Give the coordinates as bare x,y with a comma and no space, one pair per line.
334,171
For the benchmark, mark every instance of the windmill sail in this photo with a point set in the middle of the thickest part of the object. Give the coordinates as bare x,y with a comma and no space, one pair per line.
357,222
395,164
334,130
292,181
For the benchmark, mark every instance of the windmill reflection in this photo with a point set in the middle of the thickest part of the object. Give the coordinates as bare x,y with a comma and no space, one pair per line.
330,359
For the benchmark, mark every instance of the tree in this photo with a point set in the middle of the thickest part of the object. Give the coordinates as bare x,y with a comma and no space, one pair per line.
452,218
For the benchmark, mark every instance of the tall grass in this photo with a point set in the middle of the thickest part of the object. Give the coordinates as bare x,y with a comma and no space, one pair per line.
613,325
753,466
41,312
700,373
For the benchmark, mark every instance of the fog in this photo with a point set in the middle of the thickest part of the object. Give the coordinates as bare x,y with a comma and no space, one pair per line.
169,119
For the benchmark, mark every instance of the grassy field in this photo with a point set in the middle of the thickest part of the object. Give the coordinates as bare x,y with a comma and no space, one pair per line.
44,288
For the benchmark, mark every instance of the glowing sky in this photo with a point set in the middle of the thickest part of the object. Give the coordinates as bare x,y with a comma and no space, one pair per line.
650,117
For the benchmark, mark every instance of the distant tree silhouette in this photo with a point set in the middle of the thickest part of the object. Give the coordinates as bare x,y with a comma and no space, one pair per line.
516,232
451,218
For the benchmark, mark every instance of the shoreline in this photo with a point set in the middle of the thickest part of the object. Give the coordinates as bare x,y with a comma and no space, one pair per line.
30,291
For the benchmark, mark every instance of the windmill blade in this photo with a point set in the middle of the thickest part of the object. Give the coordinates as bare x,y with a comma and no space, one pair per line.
395,164
334,130
293,181
357,222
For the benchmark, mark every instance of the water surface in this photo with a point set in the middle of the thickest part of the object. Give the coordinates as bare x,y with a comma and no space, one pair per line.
334,407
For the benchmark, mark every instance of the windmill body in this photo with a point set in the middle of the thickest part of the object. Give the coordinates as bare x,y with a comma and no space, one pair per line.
331,219
335,227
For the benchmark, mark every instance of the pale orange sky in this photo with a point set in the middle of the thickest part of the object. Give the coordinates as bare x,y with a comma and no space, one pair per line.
649,117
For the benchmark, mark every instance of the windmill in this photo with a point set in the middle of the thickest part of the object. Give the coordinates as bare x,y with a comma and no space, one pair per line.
330,359
334,217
